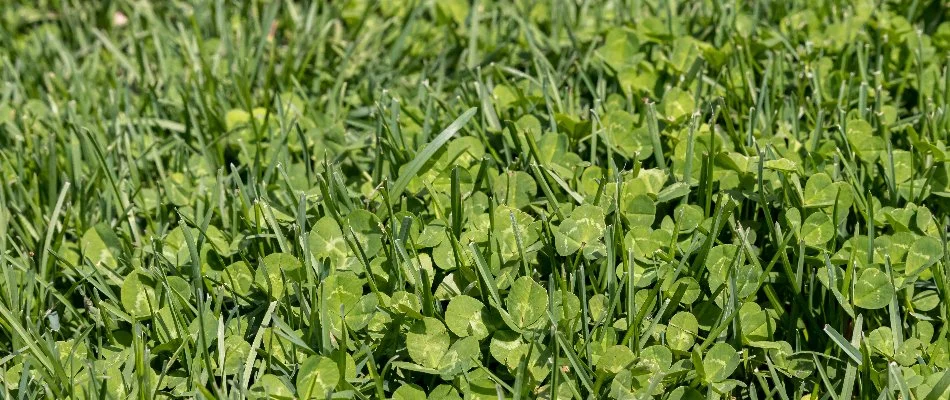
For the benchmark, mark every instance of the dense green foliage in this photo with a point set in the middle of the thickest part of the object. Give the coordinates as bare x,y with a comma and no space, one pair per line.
444,199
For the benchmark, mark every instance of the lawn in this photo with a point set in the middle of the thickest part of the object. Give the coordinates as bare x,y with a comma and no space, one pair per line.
475,199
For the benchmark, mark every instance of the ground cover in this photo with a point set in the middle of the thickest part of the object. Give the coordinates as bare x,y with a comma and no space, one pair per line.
474,199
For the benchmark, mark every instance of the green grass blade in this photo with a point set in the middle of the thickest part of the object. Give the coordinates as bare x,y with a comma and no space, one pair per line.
428,151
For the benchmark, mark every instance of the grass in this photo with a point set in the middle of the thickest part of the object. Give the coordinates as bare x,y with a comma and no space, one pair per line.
474,199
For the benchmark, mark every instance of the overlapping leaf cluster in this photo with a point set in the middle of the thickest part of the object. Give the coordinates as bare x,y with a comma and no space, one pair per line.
480,200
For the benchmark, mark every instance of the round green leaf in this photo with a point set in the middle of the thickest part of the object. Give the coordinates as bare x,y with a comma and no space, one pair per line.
138,295
718,261
566,308
792,363
685,393
526,302
782,164
621,131
444,392
462,356
690,289
908,352
677,104
238,278
747,280
503,344
515,188
900,245
272,272
180,288
620,49
270,387
720,362
464,317
326,241
318,375
688,217
648,181
866,145
817,229
639,210
681,331
236,356
505,232
407,304
755,323
615,359
360,315
923,253
366,227
926,300
881,340
900,218
409,391
218,242
924,220
819,191
427,341
656,358
582,230
100,245
552,148
873,290
342,290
